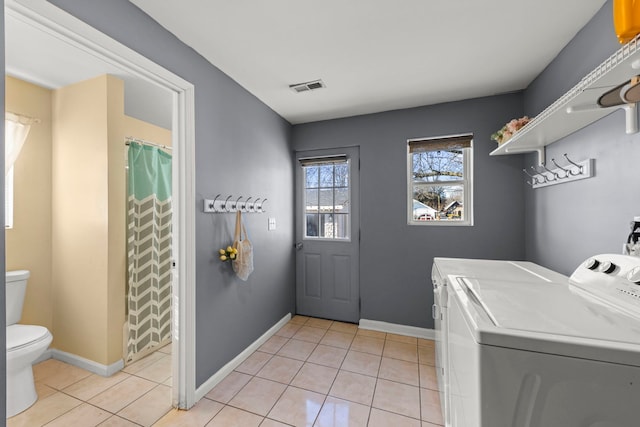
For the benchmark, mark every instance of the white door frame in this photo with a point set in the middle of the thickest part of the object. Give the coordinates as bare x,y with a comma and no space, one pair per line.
62,25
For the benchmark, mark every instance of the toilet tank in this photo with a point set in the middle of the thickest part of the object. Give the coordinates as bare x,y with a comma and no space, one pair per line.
16,288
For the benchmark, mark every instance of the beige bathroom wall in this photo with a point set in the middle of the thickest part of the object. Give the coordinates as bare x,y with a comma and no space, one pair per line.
70,211
80,221
28,243
89,215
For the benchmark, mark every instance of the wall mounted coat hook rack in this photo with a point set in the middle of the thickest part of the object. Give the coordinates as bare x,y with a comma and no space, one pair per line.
571,171
234,204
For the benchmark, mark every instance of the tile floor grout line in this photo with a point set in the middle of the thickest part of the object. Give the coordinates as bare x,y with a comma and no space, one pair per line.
334,349
135,400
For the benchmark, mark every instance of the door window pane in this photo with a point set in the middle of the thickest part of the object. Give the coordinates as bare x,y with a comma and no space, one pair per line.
326,176
327,197
326,200
326,224
311,200
341,224
312,225
311,177
342,175
342,200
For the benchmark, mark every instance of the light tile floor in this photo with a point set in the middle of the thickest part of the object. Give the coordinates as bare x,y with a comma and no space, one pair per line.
313,372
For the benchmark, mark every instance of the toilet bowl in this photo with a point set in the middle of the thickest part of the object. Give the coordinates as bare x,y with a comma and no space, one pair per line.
25,343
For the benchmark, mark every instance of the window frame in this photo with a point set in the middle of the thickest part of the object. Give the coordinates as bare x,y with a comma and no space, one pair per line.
326,160
466,182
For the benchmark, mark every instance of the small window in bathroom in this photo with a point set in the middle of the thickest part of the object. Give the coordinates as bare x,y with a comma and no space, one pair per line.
16,129
439,172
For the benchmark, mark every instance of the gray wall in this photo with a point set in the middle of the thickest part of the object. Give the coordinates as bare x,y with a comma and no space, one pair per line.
242,148
395,258
565,224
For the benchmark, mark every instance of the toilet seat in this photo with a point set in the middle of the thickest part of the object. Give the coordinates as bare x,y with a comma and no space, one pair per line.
20,336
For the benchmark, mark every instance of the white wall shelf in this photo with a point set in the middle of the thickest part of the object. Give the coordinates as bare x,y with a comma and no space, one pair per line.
578,107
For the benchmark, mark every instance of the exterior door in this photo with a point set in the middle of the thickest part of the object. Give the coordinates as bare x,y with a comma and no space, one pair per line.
328,234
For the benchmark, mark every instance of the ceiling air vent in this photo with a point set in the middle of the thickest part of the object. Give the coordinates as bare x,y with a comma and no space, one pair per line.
307,86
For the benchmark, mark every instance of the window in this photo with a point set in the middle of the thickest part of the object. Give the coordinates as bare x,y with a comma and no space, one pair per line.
16,129
439,181
326,198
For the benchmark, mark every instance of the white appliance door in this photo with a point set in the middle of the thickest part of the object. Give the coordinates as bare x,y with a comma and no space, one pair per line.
499,386
463,392
529,389
439,314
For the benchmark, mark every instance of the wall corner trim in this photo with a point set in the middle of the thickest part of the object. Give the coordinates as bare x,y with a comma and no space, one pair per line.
394,328
209,384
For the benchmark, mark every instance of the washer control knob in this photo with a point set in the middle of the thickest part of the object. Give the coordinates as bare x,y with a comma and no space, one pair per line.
634,275
591,263
608,267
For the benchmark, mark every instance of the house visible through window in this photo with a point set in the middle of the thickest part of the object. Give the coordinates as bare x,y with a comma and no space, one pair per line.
439,175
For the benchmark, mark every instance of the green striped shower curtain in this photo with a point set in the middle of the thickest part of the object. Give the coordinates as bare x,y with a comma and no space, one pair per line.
148,248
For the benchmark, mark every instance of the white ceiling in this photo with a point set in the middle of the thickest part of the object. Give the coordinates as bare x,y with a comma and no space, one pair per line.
374,55
36,56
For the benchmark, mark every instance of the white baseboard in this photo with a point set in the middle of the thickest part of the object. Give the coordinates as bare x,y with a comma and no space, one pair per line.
209,384
393,328
81,362
44,356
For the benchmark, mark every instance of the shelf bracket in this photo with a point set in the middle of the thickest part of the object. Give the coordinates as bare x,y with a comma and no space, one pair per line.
541,156
631,118
630,112
520,150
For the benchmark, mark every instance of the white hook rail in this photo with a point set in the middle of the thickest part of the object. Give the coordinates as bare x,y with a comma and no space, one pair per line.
234,204
543,176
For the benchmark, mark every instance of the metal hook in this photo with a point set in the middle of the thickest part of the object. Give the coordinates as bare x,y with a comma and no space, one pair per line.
574,164
244,205
537,178
262,204
213,204
226,205
566,171
237,203
255,205
555,175
536,169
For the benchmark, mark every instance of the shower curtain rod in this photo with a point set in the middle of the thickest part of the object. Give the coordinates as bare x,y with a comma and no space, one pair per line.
142,141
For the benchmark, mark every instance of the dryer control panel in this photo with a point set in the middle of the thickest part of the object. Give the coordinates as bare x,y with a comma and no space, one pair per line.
612,278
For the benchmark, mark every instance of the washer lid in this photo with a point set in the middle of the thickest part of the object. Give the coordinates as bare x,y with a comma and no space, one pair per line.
21,335
496,269
551,317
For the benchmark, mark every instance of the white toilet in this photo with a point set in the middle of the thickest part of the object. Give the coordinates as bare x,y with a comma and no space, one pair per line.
25,343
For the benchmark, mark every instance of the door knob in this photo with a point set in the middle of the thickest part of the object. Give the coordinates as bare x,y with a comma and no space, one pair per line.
298,246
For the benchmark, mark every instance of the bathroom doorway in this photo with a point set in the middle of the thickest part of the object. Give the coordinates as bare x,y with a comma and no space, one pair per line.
63,27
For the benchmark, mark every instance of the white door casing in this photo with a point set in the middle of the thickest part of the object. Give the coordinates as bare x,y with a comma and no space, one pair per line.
64,26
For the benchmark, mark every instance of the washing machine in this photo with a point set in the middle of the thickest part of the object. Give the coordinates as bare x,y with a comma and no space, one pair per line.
446,269
537,353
